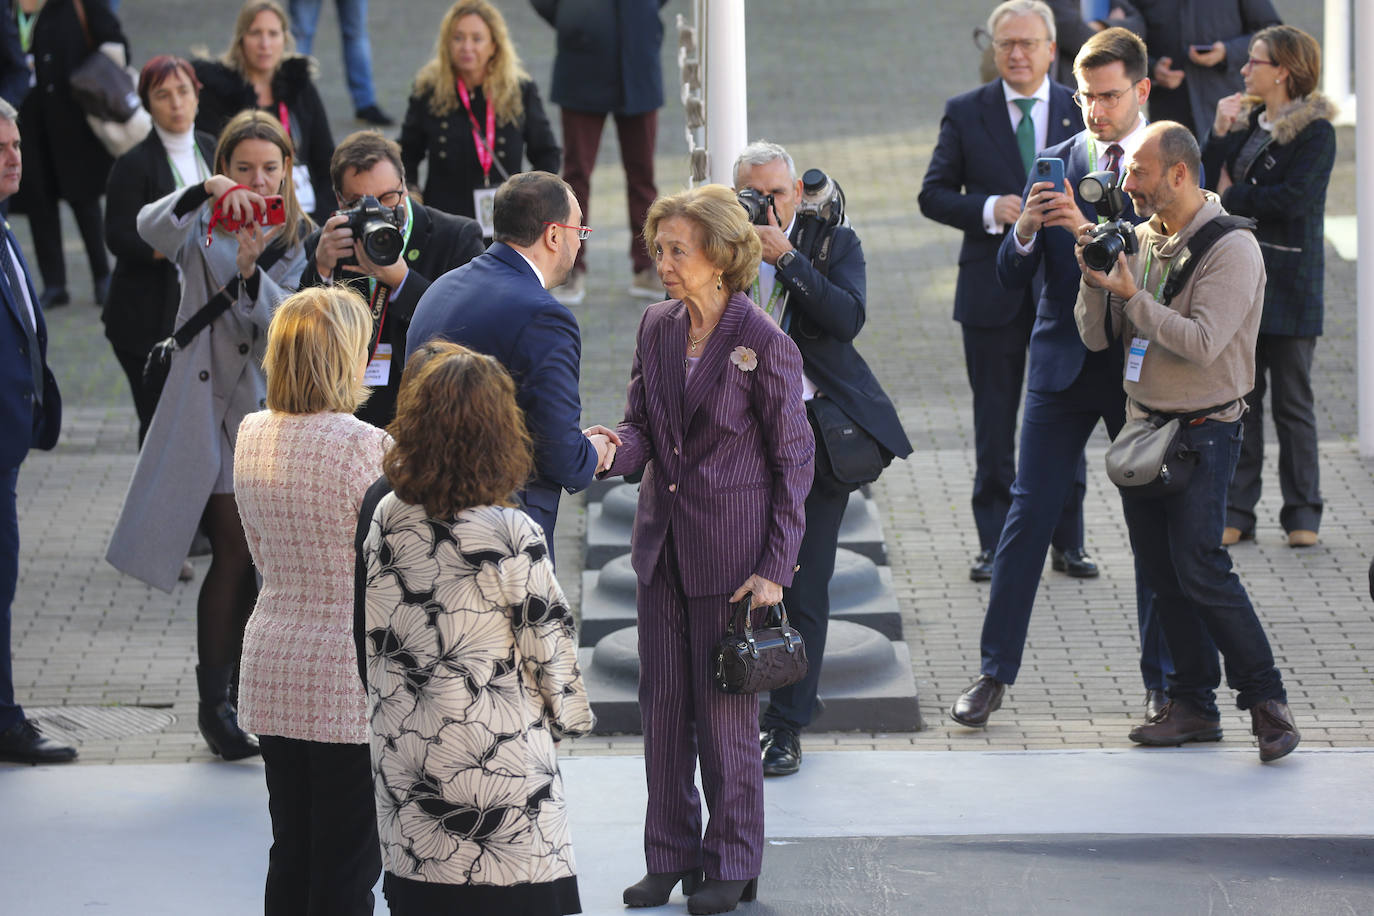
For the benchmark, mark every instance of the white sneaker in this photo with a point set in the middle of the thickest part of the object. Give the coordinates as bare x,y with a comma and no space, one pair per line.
574,290
646,285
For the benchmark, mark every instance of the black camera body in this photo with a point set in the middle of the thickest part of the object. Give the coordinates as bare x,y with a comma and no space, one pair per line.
756,205
377,230
1114,236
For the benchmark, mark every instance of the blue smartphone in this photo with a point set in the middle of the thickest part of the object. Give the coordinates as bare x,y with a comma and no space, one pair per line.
1051,170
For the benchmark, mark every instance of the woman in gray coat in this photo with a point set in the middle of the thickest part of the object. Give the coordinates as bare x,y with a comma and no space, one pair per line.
184,477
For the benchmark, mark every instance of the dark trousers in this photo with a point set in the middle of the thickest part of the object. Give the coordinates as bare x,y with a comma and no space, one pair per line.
808,598
325,854
687,719
46,226
10,713
1055,426
995,359
1287,362
145,401
637,135
1197,595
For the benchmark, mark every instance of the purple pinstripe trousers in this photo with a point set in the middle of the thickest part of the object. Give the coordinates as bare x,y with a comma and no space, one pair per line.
686,718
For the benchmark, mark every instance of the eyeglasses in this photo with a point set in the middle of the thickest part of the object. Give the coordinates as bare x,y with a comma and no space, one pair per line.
1256,62
1107,100
582,231
389,199
1027,45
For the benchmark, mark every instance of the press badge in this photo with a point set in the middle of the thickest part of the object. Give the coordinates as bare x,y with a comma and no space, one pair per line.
1135,357
379,368
484,205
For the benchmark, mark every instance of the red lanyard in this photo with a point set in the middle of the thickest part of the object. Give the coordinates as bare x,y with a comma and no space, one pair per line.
484,155
285,117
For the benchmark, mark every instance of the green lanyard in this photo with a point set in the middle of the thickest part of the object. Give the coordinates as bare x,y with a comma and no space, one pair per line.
26,22
1145,277
202,170
773,297
405,243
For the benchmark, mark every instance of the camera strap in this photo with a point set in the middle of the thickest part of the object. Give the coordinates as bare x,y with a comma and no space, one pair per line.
1202,240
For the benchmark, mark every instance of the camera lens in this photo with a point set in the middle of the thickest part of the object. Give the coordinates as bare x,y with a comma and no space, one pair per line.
1101,253
382,242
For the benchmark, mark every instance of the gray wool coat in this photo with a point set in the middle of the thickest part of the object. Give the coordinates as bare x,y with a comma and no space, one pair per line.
213,383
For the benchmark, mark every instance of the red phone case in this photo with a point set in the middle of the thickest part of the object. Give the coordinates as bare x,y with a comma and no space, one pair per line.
275,215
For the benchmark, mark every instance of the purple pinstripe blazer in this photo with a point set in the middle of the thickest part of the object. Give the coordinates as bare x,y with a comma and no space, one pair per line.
726,455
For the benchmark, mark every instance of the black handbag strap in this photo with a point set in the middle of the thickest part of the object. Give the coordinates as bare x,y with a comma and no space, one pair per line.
1207,235
740,623
85,26
220,301
1161,417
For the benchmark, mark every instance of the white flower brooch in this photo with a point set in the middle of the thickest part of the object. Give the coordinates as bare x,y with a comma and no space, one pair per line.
745,359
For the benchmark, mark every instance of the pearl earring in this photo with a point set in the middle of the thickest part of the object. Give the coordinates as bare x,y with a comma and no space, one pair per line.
719,284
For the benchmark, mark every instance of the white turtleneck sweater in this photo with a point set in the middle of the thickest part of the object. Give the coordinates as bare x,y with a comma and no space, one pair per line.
181,150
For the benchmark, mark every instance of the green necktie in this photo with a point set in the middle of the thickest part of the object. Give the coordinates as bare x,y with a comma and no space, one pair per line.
1025,132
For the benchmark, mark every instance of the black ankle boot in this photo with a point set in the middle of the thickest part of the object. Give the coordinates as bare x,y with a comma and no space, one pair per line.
654,890
721,896
218,718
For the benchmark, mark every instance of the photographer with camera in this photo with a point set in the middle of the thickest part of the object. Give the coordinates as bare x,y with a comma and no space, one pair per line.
1185,305
389,249
812,283
1068,389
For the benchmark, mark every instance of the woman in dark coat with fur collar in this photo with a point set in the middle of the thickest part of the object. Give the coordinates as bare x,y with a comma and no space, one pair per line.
259,70
1270,155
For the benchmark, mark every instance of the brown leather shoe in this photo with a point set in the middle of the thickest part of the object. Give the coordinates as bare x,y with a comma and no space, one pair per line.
980,700
1177,723
1272,723
1155,701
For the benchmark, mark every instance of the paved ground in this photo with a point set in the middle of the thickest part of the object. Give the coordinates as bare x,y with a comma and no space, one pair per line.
856,90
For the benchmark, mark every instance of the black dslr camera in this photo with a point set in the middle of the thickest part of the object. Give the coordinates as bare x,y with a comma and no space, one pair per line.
1116,235
377,230
757,206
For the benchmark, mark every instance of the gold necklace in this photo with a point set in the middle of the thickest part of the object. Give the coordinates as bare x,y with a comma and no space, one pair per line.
694,342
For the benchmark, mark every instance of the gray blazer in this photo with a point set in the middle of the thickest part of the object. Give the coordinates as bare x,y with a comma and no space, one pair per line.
213,384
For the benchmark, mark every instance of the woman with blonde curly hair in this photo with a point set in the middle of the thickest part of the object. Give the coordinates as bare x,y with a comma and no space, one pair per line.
714,419
301,468
475,114
469,652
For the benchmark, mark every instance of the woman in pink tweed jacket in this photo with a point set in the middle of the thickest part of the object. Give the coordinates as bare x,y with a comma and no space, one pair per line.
300,471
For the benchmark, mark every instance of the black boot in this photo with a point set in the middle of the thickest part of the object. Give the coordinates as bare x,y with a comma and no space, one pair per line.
217,716
721,896
654,890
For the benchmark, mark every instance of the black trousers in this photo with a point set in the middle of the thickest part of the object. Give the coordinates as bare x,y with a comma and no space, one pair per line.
325,854
46,226
145,401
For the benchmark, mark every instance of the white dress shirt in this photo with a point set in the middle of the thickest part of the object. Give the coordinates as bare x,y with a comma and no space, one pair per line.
1040,119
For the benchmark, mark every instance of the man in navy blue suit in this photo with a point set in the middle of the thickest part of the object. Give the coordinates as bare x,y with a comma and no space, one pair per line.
988,139
1069,389
499,304
30,415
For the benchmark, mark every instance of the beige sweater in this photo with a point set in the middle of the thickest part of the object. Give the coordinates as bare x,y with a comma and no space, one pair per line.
1202,345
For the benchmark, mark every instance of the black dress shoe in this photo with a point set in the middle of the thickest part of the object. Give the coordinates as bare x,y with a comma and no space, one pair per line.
980,700
1272,724
981,570
52,297
1155,701
375,116
24,743
655,889
781,752
721,896
1177,723
1075,562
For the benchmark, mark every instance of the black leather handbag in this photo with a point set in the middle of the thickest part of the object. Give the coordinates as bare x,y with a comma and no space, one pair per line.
751,661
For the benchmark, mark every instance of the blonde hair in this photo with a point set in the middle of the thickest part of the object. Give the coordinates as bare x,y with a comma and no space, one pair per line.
315,342
505,73
233,55
251,124
728,240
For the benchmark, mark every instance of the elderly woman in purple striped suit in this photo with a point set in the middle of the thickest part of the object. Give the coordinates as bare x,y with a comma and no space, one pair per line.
715,421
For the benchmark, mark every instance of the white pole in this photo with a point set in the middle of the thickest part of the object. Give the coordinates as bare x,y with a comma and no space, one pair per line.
1336,57
727,108
1364,196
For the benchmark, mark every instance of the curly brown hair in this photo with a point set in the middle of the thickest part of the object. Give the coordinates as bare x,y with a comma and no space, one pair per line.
460,438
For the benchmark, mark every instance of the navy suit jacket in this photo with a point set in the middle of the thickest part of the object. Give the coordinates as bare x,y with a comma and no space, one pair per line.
727,453
1056,350
24,426
495,304
975,157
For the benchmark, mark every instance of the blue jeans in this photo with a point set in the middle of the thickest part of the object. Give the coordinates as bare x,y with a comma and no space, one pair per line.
1177,543
357,48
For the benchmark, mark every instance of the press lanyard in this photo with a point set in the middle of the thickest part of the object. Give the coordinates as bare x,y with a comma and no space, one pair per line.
772,297
379,294
26,22
285,117
484,151
202,170
1145,277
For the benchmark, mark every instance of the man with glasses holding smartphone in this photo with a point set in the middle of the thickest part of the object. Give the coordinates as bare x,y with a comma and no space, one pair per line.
499,304
366,164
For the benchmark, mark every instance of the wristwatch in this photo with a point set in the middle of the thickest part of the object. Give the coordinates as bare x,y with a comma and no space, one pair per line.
786,258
